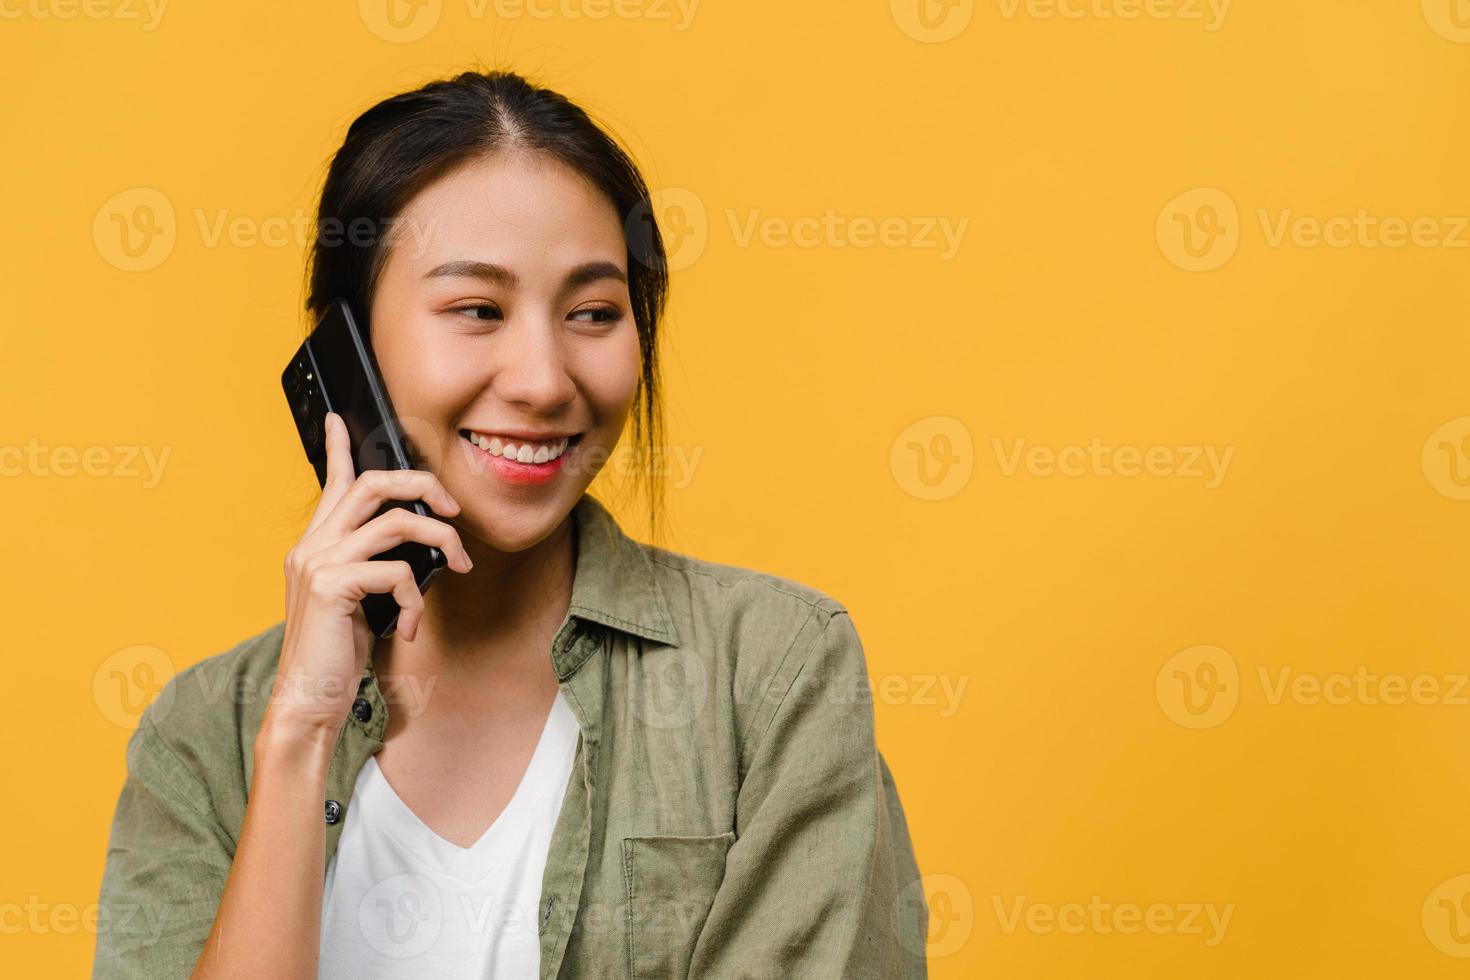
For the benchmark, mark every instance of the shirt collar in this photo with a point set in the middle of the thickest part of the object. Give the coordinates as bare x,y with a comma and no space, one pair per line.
614,583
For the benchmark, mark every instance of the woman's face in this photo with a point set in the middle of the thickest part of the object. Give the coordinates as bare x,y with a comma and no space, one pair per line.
502,319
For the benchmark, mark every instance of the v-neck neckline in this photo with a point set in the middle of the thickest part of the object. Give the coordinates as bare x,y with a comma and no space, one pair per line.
482,856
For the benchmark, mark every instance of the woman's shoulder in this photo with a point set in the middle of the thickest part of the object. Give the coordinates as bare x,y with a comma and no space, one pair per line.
755,623
696,587
212,708
769,643
238,675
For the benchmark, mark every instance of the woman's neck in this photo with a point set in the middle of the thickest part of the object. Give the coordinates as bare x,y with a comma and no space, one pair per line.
507,608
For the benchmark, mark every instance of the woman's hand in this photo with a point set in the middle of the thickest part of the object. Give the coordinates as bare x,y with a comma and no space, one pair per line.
269,918
329,571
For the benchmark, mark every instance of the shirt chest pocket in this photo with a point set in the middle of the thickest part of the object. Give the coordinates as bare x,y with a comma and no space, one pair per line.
671,884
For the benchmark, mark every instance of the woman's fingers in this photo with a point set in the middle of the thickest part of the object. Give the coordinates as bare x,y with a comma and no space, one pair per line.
340,471
349,499
367,493
395,527
351,581
332,563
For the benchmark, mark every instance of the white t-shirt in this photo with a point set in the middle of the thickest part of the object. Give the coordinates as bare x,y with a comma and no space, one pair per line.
401,901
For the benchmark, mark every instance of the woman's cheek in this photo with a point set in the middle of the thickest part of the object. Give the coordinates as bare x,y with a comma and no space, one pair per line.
437,372
618,377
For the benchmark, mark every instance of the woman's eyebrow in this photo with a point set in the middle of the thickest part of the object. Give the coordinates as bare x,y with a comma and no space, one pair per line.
589,272
581,275
473,269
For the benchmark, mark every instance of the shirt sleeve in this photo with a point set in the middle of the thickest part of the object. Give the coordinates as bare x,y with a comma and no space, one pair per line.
167,860
821,881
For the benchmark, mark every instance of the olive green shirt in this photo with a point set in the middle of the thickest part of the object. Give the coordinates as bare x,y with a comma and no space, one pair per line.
728,816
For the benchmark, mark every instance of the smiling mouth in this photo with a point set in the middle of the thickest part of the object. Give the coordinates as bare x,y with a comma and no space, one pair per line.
523,451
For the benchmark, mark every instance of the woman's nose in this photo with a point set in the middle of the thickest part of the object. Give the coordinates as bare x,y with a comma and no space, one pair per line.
532,367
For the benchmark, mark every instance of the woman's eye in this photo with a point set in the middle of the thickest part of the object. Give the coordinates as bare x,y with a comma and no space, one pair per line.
598,314
474,312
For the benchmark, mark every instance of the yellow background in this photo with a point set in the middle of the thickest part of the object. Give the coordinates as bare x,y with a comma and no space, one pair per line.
842,400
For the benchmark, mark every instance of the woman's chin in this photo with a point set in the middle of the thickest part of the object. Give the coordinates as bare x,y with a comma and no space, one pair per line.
509,526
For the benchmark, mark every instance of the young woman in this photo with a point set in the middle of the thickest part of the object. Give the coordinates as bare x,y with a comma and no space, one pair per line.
579,756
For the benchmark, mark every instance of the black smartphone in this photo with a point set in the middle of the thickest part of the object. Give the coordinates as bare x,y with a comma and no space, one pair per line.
334,371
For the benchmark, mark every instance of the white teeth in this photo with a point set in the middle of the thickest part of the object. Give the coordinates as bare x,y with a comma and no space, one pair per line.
530,452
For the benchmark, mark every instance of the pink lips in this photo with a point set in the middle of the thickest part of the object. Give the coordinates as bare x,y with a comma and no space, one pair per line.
512,471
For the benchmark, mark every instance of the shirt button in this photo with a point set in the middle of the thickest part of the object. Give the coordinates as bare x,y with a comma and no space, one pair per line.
334,811
361,709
